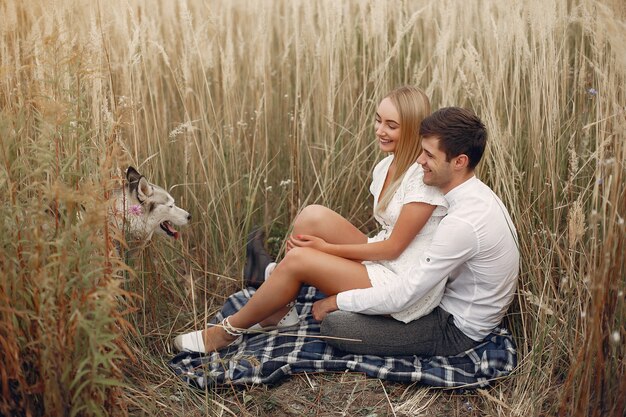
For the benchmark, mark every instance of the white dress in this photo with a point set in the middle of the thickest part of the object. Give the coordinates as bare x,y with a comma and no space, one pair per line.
412,189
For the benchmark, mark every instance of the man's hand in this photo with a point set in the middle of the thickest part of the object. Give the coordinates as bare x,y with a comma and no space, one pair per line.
322,307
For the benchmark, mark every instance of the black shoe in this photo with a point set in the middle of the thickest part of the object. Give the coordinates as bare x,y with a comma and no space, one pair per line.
257,259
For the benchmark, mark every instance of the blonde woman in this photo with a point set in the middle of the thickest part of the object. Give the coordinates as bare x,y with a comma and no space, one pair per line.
328,252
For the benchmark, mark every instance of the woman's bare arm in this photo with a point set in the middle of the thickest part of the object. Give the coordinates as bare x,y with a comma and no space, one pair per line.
413,217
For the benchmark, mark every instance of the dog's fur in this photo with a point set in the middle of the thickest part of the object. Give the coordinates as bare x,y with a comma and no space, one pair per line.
145,208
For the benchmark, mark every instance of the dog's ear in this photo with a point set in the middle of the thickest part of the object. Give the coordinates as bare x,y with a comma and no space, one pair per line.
144,190
139,183
132,175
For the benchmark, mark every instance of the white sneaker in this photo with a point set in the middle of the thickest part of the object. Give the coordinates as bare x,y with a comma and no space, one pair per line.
291,319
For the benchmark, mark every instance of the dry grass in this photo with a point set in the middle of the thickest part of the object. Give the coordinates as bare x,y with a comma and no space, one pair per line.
248,111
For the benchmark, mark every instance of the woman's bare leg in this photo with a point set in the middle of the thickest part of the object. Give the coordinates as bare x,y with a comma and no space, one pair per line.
330,274
313,220
320,221
325,223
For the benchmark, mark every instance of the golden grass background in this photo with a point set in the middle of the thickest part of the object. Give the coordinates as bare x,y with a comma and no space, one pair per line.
247,112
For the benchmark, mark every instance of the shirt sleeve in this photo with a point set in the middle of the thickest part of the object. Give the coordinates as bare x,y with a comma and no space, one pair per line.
435,265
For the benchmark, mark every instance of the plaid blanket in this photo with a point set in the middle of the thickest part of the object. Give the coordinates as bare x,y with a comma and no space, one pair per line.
269,357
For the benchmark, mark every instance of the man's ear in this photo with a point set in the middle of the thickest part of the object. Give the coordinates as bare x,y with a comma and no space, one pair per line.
461,162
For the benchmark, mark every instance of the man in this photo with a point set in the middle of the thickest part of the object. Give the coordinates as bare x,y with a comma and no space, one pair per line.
474,249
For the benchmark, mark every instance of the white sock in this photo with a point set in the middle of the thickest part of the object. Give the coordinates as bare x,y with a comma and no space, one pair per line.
269,269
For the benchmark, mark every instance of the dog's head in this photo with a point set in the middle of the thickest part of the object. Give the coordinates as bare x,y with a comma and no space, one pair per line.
149,208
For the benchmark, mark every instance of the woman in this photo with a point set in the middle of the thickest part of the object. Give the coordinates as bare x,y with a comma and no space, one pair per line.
328,252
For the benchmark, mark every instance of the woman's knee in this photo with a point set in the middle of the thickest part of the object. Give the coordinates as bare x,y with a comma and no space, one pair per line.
295,261
310,219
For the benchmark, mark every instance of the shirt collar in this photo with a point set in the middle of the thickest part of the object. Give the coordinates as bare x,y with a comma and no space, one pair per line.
454,194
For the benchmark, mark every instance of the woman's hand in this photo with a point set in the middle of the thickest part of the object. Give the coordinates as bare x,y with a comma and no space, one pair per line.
307,241
321,308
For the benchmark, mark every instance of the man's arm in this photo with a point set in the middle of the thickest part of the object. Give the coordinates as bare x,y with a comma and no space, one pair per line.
324,306
454,243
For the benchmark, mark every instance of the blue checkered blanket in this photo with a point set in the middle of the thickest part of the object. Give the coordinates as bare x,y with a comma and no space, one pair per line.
269,357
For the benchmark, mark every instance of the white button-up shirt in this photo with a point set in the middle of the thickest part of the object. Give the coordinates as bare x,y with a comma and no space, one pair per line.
475,248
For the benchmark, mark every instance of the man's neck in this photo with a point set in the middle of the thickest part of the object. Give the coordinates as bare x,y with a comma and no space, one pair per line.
455,182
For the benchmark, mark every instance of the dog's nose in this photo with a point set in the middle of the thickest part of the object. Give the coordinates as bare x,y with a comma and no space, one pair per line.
189,217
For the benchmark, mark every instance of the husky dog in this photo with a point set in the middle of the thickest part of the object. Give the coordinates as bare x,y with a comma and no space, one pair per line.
146,208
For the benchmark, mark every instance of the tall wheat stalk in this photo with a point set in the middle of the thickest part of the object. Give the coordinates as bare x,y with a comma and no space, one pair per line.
248,111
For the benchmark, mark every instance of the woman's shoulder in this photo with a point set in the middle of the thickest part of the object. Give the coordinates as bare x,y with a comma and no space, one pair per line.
414,179
415,189
383,165
414,172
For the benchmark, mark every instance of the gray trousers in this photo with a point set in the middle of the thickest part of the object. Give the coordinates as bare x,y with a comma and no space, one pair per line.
432,335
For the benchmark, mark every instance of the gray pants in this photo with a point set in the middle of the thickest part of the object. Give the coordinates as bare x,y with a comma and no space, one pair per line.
432,335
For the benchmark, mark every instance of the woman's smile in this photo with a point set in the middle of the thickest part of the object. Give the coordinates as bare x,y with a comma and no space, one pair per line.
387,126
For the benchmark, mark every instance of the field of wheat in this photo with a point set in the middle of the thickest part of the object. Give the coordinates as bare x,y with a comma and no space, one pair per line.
247,111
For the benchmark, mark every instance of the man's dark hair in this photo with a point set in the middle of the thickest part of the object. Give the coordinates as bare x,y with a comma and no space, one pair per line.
459,131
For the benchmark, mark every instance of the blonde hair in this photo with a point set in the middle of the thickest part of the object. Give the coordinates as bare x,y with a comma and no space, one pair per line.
413,106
